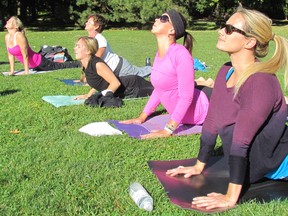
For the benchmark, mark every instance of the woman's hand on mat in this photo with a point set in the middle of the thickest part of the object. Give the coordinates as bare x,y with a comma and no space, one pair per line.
142,118
132,121
79,97
187,171
213,201
156,134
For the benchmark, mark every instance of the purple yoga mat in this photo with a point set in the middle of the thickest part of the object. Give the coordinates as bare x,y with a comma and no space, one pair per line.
214,178
155,123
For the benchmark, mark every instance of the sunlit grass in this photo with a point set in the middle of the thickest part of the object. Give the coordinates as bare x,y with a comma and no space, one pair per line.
49,168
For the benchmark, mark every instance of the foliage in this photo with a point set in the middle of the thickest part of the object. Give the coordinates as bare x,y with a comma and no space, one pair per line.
129,12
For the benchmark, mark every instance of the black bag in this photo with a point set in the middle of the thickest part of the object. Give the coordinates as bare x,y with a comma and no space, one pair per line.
55,53
109,100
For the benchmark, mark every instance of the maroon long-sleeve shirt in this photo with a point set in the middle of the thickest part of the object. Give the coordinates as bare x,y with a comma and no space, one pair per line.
251,125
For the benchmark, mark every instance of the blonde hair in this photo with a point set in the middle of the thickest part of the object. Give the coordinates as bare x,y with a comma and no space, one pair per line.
18,24
259,26
90,43
92,46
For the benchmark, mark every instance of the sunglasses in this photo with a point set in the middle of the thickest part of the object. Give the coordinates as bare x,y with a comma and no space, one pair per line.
164,18
229,29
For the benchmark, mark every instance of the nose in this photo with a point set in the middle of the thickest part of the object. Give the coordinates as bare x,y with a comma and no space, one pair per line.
221,31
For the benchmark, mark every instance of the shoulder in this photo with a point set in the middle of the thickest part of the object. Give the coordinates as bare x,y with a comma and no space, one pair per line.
261,78
20,37
178,48
262,84
179,52
100,37
95,59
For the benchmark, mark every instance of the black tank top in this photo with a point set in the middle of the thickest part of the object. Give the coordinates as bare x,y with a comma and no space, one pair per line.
93,79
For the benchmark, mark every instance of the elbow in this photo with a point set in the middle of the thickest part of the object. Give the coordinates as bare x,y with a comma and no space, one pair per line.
118,84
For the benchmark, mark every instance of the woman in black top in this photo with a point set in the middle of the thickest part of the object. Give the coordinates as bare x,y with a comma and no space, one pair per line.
100,77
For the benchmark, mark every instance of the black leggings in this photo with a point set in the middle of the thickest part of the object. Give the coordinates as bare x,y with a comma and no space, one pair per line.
47,65
133,86
205,89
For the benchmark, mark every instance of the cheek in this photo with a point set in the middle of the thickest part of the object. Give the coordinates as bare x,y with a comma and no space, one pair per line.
229,44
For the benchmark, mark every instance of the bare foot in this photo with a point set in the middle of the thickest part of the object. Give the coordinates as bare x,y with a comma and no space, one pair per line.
202,82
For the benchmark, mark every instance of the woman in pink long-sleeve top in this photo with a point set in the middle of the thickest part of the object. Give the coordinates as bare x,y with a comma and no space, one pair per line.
173,78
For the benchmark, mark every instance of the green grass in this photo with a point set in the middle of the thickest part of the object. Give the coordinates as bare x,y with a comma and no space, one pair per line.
50,168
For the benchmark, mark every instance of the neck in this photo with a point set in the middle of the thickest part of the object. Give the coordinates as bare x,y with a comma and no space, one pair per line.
12,31
242,61
85,61
163,45
92,33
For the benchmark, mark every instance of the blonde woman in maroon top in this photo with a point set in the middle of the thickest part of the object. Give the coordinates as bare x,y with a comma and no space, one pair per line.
247,109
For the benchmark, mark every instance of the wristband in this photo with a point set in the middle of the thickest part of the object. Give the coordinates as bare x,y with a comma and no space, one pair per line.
104,92
170,128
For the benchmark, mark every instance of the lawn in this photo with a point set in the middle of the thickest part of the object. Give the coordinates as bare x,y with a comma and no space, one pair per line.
47,167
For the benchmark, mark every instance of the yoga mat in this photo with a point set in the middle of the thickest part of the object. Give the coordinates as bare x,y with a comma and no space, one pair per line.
73,82
62,100
21,72
215,178
155,123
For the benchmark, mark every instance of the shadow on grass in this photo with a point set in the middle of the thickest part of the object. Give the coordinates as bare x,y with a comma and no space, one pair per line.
9,92
4,63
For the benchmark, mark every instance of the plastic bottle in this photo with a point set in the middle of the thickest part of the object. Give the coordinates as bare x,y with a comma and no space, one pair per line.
140,196
148,62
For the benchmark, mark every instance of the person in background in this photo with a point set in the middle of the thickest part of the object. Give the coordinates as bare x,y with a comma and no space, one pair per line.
247,109
18,47
119,65
173,78
100,77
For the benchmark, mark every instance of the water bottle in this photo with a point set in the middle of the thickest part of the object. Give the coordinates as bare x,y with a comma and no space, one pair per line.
148,62
140,196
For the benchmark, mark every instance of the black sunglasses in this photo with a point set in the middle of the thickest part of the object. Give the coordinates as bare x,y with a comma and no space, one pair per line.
229,29
164,18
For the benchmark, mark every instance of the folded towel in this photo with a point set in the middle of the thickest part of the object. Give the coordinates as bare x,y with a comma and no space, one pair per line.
99,129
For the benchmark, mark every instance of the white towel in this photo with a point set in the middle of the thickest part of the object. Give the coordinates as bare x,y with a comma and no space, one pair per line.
99,129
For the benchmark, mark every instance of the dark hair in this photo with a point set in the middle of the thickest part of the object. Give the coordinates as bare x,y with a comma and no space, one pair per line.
179,24
100,20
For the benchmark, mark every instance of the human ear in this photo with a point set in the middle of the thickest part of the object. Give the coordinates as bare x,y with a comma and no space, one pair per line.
251,42
96,26
171,31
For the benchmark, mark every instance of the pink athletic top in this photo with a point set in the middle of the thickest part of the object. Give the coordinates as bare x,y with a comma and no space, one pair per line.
173,80
34,59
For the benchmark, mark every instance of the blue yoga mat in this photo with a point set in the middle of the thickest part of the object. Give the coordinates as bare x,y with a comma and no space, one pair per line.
73,82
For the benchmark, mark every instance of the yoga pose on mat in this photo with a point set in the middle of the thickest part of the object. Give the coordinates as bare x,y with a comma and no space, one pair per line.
247,110
18,47
101,78
173,78
119,65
